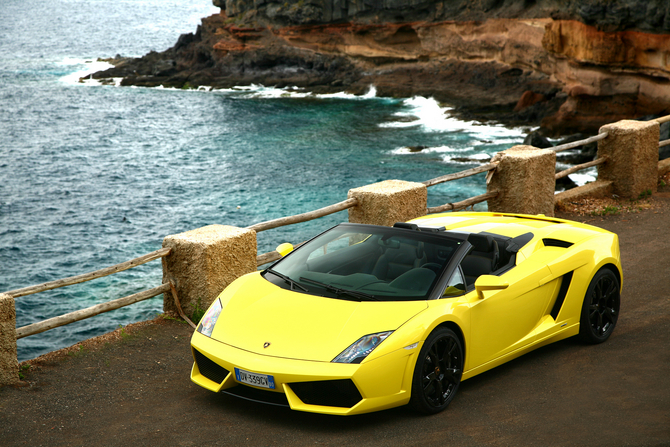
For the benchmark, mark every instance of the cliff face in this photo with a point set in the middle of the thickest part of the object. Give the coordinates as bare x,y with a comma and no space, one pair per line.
606,15
570,69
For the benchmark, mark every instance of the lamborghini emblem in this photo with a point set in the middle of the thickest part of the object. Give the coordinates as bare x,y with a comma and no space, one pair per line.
266,344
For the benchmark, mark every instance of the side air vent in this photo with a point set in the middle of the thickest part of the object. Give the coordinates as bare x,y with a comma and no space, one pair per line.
548,242
562,292
209,368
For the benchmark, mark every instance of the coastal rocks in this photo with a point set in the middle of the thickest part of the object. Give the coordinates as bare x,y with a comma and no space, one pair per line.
607,76
569,69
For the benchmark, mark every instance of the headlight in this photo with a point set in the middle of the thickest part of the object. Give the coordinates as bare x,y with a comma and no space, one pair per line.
208,321
357,352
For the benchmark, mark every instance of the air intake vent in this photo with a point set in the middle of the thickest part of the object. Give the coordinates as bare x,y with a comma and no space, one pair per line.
562,292
330,393
209,368
556,243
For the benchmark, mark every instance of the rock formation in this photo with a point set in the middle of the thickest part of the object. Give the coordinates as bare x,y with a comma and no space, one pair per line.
568,65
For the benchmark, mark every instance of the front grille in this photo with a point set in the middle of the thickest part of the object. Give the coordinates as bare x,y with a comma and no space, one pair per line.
209,368
330,393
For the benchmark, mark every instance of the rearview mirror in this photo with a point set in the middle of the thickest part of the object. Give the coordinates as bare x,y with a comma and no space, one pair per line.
489,282
285,248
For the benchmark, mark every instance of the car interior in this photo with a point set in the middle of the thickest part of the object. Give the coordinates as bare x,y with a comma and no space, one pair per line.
399,266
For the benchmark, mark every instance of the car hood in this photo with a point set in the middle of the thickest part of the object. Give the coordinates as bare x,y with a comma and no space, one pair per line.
296,325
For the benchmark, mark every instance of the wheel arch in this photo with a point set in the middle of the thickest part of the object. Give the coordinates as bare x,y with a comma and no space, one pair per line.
614,269
459,333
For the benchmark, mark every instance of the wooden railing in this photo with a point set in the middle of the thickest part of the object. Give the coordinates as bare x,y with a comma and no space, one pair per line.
89,312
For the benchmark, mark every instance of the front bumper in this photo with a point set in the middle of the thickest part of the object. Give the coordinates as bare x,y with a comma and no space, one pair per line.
318,387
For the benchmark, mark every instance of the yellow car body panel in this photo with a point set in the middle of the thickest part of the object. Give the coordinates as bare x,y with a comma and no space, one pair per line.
294,337
326,325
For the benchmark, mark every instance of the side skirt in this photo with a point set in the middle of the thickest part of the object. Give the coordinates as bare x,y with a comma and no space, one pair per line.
565,333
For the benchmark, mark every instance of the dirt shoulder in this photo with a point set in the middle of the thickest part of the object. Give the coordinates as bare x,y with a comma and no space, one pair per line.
132,386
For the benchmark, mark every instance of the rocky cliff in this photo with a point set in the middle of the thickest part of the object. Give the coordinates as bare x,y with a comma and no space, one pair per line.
568,65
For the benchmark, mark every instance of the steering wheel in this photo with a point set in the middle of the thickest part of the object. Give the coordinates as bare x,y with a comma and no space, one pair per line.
435,267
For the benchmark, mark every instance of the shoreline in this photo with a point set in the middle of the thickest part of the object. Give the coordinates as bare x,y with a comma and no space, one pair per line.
511,71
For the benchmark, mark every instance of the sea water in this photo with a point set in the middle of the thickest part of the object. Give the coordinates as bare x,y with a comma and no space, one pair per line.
93,175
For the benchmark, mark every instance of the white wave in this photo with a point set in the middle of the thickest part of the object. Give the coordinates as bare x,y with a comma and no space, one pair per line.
339,95
583,178
428,150
83,67
466,160
427,112
481,156
263,92
371,93
498,141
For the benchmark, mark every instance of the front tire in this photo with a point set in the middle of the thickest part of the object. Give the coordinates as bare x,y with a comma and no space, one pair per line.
438,372
600,310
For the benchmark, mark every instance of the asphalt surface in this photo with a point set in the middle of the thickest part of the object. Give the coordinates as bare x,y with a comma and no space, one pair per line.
132,387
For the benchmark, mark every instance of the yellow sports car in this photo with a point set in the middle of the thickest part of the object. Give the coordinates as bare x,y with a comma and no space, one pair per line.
364,317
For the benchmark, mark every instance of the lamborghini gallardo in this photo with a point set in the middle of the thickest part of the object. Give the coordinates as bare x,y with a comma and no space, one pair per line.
363,318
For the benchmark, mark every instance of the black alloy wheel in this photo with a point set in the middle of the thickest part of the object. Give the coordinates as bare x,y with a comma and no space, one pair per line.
438,372
600,310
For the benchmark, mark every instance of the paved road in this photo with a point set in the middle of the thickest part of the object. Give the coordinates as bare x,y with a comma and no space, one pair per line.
132,388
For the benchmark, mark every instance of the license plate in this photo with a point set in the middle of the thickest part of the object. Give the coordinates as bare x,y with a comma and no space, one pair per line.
260,380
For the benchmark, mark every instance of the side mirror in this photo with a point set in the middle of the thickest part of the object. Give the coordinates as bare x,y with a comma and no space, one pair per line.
489,282
285,248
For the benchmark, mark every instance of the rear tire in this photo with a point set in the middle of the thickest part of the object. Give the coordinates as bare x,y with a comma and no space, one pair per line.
438,372
600,310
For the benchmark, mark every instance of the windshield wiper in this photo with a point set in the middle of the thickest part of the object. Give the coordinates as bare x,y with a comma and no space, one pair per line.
338,291
288,280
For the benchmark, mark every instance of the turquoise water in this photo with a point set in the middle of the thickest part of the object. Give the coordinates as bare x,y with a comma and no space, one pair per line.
94,175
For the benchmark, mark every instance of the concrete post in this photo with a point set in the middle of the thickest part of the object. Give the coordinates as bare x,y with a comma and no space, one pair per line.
388,202
9,366
204,261
632,149
525,179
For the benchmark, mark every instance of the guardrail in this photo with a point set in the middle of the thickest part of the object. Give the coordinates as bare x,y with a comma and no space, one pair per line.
393,200
71,317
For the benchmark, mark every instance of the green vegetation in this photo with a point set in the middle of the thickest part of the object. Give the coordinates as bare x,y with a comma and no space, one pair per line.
198,312
82,350
23,368
644,194
124,334
171,318
609,209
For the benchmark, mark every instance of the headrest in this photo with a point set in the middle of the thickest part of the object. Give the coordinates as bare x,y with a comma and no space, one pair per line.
481,242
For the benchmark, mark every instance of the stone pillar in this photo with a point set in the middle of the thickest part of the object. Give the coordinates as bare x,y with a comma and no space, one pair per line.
204,261
9,366
388,202
525,179
632,149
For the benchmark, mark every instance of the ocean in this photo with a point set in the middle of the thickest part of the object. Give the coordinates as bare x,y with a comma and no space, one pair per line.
93,175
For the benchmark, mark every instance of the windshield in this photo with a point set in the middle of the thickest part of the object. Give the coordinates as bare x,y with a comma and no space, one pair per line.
365,262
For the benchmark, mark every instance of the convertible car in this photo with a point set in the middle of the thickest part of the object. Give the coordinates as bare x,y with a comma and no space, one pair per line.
363,318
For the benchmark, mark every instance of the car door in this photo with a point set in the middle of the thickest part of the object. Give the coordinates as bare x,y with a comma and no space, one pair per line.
504,320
